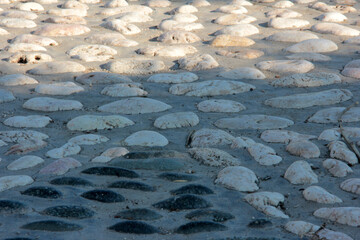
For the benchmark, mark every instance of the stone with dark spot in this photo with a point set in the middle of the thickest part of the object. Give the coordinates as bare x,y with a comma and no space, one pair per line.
42,192
260,223
111,171
154,154
52,226
182,203
201,226
209,215
76,212
11,207
104,196
135,227
160,164
192,189
138,214
132,185
71,181
178,177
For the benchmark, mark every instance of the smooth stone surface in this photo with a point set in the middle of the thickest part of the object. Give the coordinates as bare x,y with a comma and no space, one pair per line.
243,73
198,62
134,66
12,207
88,139
320,195
177,120
57,67
68,149
30,38
74,212
16,80
8,182
286,66
241,54
111,39
238,178
337,168
343,215
132,185
226,40
146,139
307,80
183,77
255,121
102,78
167,51
340,150
134,227
6,96
332,115
334,29
192,189
30,121
135,105
183,202
291,36
300,172
240,30
267,203
309,56
351,185
178,177
92,53
313,45
220,105
139,214
209,215
124,90
92,122
71,181
103,196
25,162
287,23
63,88
60,166
206,137
52,226
200,226
303,148
178,37
284,136
61,30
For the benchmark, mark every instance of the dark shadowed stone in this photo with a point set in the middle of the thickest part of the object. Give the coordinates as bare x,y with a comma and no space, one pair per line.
178,177
201,226
154,154
255,238
161,164
77,212
134,227
11,207
132,185
209,215
111,171
192,189
52,226
104,196
138,214
182,203
42,192
260,223
71,181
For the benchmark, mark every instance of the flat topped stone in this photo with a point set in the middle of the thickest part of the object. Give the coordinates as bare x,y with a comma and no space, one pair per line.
343,215
52,226
240,30
60,166
31,121
47,104
307,80
332,115
232,19
172,25
167,51
124,90
226,40
313,45
135,105
220,105
121,27
88,139
16,79
206,137
17,23
134,66
8,182
256,121
241,53
309,56
146,139
178,37
177,120
92,53
320,195
304,100
6,96
198,62
335,29
102,78
283,13
93,122
291,36
238,178
182,77
19,14
57,67
286,66
287,23
61,30
60,88
210,88
332,17
30,38
214,157
112,39
243,73
134,227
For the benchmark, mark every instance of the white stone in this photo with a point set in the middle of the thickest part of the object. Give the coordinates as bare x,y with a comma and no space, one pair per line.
8,182
24,47
220,105
238,178
233,9
124,90
241,53
171,25
339,150
74,4
92,53
124,9
31,121
57,67
343,215
112,39
353,40
337,168
134,17
300,172
283,4
177,120
167,51
19,14
102,78
309,56
264,155
335,29
332,115
88,139
16,79
178,37
307,80
60,88
267,202
92,122
210,88
184,17
158,3
64,151
6,96
213,157
351,185
320,195
284,136
313,45
17,23
72,19
34,39
199,3
206,137
22,136
47,104
116,3
29,58
304,100
233,19
286,66
301,228
110,153
146,139
3,32
25,162
121,26
243,73
185,9
30,6
255,121
198,62
327,234
332,17
68,12
182,77
134,66
241,30
291,36
61,30
283,13
287,23
135,105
